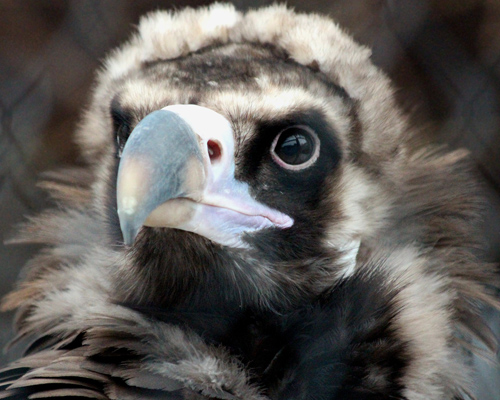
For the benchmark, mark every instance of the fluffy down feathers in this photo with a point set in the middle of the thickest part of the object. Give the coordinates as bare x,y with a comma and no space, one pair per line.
373,293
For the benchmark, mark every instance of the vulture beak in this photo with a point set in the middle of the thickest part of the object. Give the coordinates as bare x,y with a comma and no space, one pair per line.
177,171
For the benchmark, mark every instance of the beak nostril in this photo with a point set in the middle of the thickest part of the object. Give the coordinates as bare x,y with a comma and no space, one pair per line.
214,150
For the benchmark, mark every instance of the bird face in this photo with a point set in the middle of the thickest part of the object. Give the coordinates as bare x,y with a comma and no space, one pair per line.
193,188
237,154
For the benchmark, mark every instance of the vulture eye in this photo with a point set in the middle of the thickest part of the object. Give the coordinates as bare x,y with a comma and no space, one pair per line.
295,147
122,121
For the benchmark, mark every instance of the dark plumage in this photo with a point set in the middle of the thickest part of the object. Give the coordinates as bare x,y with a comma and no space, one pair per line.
325,348
253,222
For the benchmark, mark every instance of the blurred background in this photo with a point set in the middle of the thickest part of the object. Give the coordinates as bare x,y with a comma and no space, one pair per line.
443,55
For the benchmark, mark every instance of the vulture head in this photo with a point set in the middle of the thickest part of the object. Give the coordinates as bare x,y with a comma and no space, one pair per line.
226,149
254,221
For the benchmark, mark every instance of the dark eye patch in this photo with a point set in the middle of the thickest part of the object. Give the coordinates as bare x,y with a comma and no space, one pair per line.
122,124
295,146
297,192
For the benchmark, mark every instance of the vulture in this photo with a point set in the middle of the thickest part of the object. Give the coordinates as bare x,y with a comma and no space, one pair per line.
256,219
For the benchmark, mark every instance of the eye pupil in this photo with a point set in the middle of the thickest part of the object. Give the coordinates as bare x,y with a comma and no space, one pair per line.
295,146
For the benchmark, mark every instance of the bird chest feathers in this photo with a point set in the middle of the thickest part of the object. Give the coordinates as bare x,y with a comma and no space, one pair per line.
251,223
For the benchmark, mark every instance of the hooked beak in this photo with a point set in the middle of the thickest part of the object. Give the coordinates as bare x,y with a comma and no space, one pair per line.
177,171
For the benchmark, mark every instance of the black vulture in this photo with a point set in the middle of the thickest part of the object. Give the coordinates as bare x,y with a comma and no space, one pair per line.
255,220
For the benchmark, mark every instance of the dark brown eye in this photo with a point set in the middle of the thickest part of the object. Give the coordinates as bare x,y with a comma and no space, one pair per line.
122,120
295,148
